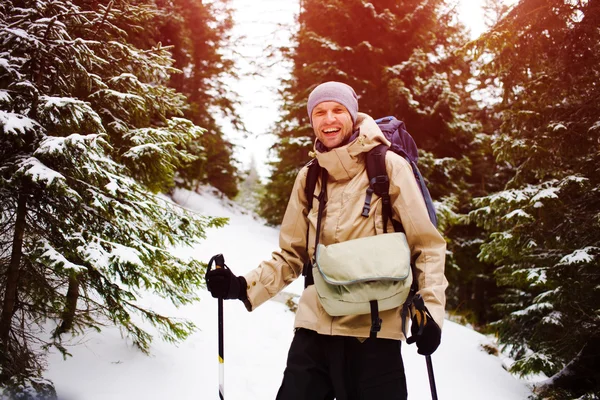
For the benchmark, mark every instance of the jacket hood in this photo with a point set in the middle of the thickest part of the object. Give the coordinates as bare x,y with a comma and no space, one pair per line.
346,161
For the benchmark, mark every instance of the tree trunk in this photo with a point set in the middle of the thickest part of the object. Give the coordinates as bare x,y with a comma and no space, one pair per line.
68,315
12,274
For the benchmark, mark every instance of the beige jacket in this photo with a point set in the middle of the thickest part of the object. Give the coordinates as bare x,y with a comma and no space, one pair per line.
342,220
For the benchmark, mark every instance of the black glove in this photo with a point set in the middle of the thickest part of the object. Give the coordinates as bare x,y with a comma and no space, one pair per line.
223,284
425,331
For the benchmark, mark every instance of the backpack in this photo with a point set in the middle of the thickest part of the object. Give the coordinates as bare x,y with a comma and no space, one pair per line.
402,144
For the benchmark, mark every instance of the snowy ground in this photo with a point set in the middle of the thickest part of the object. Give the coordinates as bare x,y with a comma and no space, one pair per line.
105,366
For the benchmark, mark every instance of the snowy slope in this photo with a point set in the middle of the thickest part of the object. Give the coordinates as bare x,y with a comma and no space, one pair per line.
105,366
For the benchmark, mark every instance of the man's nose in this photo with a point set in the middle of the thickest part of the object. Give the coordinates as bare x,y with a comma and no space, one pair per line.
330,117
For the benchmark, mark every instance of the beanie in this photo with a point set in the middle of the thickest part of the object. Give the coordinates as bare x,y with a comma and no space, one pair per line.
333,91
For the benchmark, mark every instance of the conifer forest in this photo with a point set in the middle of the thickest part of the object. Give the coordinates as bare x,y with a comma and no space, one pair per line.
107,106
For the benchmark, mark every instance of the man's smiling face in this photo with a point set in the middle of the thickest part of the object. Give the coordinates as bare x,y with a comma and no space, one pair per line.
332,123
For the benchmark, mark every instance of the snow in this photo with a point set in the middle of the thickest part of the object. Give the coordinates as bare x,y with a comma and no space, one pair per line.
536,276
557,127
533,308
594,127
549,193
4,97
554,318
57,259
15,124
517,213
580,256
105,366
39,172
52,144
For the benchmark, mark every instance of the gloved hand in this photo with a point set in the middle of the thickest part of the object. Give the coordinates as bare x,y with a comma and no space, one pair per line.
222,283
425,331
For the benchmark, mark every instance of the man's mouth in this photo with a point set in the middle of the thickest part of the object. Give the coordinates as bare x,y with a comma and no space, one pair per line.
330,131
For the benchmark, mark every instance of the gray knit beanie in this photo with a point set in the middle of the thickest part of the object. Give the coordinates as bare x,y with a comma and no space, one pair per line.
333,91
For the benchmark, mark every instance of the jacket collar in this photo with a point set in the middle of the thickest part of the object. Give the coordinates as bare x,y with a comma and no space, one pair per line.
345,162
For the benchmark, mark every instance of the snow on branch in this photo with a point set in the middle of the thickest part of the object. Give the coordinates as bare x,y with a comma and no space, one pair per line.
54,259
38,172
580,256
16,124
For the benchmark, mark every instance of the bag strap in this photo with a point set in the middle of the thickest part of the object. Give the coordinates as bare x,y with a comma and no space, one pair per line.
311,182
322,200
379,183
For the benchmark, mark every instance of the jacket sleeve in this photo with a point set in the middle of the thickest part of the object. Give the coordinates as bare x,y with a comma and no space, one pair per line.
428,247
271,276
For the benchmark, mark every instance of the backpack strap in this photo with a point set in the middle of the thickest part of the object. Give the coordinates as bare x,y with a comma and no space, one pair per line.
314,170
311,182
379,183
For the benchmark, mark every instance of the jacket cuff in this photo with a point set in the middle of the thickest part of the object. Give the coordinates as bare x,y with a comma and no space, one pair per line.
256,293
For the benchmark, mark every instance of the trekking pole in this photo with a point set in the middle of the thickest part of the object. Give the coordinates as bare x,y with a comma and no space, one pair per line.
431,378
220,263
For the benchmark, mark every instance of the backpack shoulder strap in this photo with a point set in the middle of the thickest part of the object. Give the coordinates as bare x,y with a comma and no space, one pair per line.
312,176
379,183
314,170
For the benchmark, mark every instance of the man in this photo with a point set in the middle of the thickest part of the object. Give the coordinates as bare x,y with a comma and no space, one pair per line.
333,357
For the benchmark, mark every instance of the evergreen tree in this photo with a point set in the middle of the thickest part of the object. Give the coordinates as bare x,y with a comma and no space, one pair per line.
197,31
388,51
251,188
544,228
89,131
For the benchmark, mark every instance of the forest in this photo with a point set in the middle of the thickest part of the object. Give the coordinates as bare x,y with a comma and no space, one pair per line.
106,107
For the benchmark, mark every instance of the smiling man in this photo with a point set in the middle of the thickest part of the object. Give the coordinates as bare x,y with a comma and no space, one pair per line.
339,356
332,108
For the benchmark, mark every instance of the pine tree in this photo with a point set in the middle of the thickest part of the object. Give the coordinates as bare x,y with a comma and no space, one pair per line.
251,188
198,31
396,56
89,133
544,228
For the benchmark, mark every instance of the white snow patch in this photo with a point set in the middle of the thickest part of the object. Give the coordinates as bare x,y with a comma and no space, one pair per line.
554,318
57,259
580,256
39,172
517,213
15,124
4,96
557,127
594,127
549,193
533,308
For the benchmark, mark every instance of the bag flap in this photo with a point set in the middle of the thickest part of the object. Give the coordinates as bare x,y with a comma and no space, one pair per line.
379,257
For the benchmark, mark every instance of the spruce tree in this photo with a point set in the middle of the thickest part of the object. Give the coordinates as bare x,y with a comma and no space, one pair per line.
197,32
388,51
89,132
544,228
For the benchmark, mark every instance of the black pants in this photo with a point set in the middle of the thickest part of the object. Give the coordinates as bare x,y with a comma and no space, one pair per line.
321,367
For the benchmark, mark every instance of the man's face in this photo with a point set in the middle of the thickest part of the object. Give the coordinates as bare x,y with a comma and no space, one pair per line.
332,123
